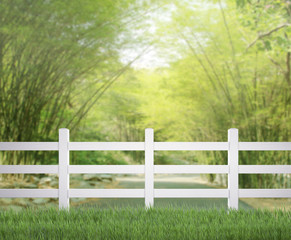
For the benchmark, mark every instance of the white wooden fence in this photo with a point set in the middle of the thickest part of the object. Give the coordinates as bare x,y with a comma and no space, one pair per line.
64,146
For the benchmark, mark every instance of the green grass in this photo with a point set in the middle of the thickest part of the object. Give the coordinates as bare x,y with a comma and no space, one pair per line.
138,223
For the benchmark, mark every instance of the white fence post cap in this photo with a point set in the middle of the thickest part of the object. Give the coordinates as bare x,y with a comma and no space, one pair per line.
63,129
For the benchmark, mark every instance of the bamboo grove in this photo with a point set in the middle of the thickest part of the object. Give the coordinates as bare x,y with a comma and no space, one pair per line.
211,66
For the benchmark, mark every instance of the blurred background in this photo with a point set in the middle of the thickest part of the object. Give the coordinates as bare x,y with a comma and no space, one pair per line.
107,70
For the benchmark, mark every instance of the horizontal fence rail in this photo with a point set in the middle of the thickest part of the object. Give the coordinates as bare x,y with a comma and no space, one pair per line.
264,146
64,169
29,193
265,169
264,193
29,146
29,169
139,146
191,146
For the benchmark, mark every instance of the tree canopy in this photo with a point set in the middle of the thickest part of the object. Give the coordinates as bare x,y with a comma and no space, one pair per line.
223,64
57,58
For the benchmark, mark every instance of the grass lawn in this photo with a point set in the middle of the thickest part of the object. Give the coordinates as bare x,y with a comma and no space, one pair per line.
138,223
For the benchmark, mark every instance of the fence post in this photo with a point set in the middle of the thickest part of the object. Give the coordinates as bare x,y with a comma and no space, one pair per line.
64,161
149,167
233,168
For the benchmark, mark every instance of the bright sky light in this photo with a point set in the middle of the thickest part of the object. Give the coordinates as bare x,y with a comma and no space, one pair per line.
154,58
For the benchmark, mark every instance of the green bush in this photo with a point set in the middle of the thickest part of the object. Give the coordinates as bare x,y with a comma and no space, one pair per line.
97,158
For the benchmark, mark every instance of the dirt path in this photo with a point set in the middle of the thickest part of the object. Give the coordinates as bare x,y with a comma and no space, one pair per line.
164,181
166,178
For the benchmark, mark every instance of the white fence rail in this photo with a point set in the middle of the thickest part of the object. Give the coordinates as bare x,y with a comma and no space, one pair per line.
64,169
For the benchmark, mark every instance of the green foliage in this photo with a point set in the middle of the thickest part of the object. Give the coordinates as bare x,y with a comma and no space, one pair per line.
229,65
116,118
51,52
98,158
232,70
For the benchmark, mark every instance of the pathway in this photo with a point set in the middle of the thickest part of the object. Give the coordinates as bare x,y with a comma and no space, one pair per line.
182,181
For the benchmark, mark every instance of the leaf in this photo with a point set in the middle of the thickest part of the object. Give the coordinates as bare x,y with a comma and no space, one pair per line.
268,45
